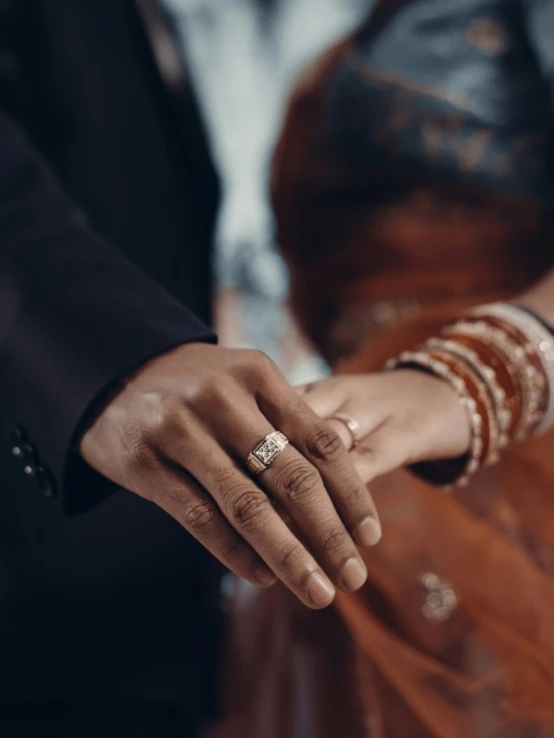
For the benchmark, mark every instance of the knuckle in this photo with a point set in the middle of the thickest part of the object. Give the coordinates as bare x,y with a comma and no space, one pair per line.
220,389
355,493
211,388
248,507
299,482
221,480
290,557
334,540
239,558
173,422
235,550
325,444
168,411
142,471
258,362
193,390
141,455
199,517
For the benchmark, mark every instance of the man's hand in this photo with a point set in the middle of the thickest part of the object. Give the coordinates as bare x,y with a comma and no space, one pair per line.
178,433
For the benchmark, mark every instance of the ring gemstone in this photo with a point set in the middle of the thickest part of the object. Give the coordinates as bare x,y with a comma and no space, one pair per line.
270,447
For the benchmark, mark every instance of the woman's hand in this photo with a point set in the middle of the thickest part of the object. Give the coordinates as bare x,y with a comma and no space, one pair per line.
405,416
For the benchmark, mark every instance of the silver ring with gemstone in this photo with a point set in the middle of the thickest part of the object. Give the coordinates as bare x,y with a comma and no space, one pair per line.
263,455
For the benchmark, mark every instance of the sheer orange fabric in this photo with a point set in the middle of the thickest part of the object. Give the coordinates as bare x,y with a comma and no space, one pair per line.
373,273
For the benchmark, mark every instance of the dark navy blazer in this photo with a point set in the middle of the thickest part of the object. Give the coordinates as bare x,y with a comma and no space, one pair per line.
105,231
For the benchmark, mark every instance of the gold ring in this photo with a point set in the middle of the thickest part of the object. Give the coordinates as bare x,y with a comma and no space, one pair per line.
262,456
352,425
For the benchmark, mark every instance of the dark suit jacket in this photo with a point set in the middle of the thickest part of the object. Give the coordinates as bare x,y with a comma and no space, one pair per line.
110,606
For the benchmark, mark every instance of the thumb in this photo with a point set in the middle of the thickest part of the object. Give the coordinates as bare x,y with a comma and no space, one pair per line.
382,451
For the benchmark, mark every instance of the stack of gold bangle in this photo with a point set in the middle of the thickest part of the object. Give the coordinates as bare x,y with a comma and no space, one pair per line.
500,361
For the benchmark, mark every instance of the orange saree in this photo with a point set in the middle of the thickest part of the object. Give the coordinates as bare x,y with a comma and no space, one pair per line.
453,636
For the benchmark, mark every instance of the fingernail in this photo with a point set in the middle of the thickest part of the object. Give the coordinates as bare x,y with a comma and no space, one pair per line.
319,590
264,576
369,532
354,575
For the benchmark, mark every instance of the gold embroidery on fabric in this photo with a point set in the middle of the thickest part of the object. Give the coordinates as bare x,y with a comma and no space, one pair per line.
433,130
394,80
487,35
443,132
394,123
471,155
431,135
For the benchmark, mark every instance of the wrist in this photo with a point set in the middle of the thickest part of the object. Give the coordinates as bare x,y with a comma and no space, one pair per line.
499,360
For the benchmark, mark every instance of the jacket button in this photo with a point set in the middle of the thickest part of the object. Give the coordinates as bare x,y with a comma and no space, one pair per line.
29,458
45,482
29,454
18,436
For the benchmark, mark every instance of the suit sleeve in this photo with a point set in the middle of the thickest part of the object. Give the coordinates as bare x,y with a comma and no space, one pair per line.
75,315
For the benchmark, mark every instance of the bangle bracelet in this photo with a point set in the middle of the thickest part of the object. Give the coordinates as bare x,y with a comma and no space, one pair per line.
494,397
481,402
491,355
537,317
442,370
540,340
499,360
529,383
